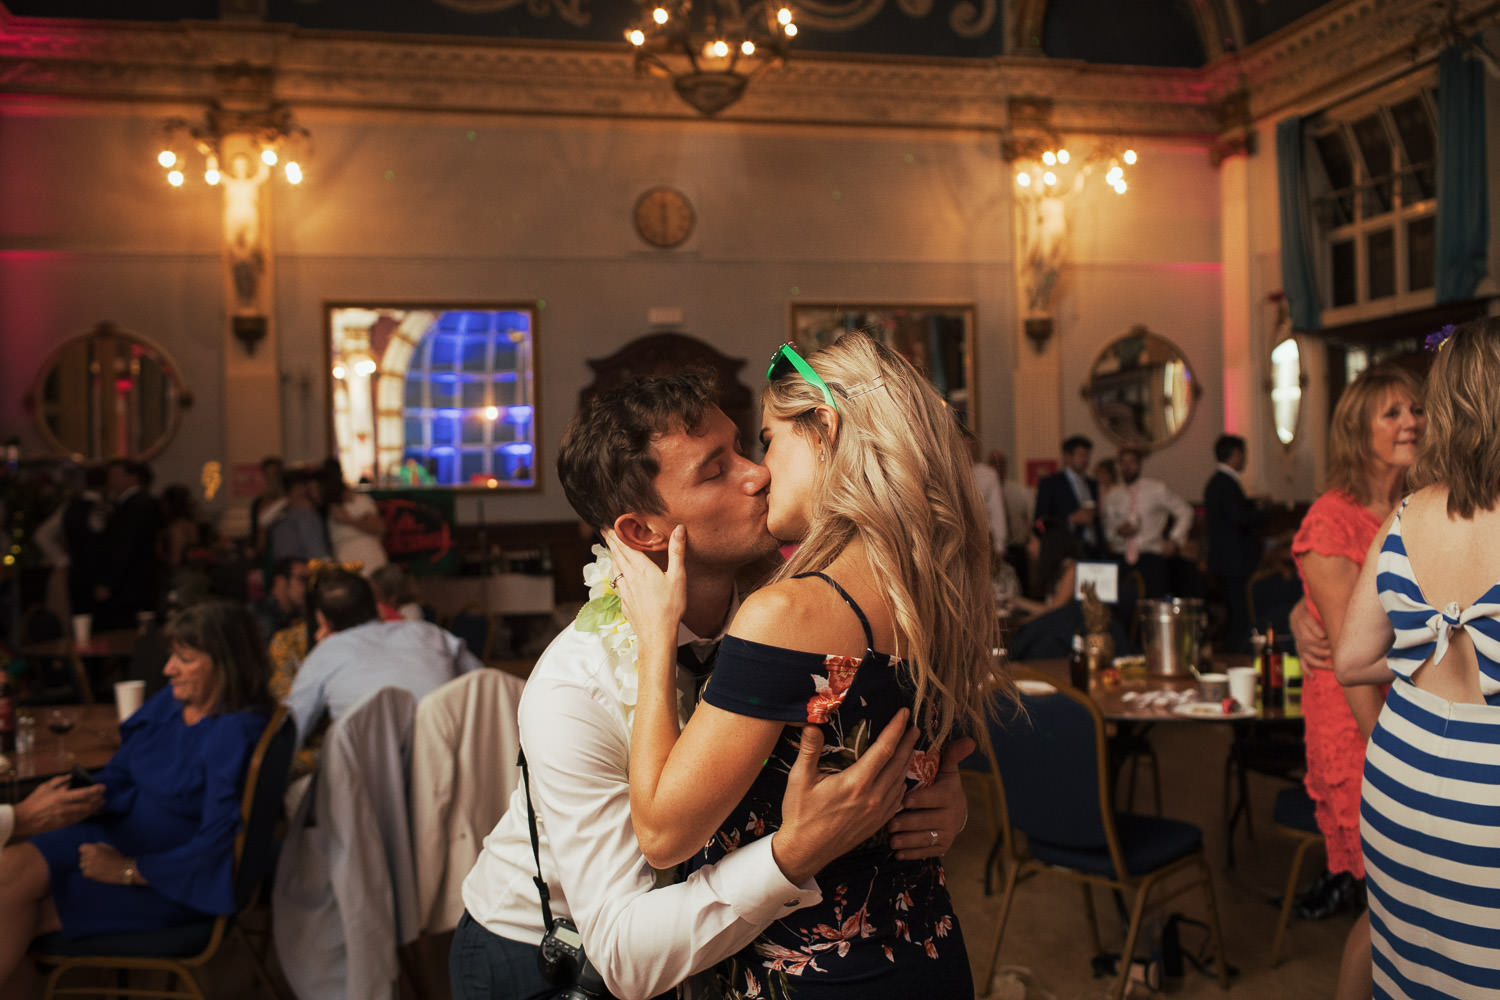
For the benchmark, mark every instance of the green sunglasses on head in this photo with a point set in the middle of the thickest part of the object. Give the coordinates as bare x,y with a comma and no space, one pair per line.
787,359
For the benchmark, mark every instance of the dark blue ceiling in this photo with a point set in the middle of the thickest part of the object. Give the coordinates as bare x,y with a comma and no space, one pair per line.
1134,32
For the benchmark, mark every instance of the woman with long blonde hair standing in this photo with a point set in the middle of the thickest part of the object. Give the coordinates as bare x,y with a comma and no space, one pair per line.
885,608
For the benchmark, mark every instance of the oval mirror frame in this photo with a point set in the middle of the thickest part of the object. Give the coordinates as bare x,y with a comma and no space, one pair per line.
132,411
1141,390
1286,385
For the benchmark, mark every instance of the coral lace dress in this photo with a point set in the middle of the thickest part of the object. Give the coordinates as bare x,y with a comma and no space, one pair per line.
885,928
1335,525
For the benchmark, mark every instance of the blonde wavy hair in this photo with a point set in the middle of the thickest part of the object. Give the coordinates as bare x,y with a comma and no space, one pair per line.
1461,449
899,478
1350,450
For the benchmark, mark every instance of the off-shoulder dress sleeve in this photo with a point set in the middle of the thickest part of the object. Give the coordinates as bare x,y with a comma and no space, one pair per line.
782,685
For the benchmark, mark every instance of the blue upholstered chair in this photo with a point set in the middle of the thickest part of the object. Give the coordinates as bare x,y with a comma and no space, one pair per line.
1295,816
1060,817
182,949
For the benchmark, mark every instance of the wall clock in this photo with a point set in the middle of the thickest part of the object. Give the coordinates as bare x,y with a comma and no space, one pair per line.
664,217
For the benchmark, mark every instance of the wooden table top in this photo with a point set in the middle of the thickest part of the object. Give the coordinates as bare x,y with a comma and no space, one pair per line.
113,644
93,741
1123,701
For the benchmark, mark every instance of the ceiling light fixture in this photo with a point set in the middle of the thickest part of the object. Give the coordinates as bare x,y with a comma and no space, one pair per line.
271,135
712,51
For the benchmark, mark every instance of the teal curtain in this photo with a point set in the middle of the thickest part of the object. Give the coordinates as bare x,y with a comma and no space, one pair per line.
1298,275
1463,212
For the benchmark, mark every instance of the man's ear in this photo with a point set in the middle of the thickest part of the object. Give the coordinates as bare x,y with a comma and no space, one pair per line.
633,530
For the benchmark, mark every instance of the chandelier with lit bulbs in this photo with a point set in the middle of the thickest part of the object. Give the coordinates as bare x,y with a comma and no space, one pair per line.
1049,168
713,50
248,144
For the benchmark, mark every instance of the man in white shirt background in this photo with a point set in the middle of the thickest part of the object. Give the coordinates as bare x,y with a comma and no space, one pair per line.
1145,524
658,452
992,496
358,654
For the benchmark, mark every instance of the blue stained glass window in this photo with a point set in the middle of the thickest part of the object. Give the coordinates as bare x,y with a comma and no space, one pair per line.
469,361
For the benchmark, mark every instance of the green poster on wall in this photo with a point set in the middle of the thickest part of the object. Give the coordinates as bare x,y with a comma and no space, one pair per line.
419,529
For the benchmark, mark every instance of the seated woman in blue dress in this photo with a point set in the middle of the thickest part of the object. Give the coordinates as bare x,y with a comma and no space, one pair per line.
160,853
884,611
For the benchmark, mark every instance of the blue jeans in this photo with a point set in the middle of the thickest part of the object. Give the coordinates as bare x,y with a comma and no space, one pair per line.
485,966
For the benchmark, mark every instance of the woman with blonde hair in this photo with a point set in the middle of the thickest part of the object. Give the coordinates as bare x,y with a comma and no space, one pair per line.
1425,618
884,608
1377,425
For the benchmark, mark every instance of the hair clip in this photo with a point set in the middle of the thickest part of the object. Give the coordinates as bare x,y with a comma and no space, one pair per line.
878,382
1435,341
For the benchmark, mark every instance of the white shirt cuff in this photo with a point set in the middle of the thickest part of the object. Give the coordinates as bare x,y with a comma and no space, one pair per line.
752,883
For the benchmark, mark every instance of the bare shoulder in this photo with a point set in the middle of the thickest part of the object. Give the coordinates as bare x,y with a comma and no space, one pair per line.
803,614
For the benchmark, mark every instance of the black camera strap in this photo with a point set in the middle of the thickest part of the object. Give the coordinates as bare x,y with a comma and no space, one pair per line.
536,850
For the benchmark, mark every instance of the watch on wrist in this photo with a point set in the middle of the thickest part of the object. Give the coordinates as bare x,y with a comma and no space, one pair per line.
129,874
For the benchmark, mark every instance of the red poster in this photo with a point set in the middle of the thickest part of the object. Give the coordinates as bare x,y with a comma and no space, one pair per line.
246,480
1039,468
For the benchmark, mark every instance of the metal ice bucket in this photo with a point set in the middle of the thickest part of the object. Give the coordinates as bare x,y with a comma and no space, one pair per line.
1172,631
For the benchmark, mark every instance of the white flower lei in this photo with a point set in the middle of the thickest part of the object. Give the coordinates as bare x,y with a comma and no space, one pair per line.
605,615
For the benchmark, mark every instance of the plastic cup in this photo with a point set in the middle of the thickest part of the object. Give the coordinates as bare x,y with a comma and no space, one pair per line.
128,697
1213,687
83,628
1244,685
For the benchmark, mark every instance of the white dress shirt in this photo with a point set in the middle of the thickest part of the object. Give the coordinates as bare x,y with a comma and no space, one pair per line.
345,667
1147,503
576,737
992,494
1019,499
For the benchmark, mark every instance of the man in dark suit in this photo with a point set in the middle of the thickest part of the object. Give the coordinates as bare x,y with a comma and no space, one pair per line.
131,575
1072,496
1234,541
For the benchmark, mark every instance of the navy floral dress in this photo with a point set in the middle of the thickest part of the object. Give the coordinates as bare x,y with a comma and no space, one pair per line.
885,928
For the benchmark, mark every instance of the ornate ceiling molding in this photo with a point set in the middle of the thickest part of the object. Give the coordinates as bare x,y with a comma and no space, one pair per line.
1341,46
179,63
185,62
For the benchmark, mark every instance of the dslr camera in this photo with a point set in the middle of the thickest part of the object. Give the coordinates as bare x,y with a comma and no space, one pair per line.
561,961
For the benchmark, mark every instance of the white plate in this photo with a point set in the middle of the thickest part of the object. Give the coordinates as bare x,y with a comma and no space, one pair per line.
1035,688
1212,710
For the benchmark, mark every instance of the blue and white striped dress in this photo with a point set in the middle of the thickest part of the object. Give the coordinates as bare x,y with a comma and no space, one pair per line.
1430,810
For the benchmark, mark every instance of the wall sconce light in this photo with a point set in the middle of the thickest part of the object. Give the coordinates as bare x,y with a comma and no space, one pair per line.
249,331
1038,331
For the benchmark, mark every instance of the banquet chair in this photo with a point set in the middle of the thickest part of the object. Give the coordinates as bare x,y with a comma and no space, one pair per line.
1295,816
464,743
1270,747
979,771
180,950
345,894
1053,770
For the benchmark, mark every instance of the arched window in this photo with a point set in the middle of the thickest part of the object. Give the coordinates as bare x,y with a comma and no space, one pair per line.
468,403
450,401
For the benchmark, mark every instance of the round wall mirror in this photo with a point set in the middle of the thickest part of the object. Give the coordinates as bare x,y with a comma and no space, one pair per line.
1141,390
1286,384
109,394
